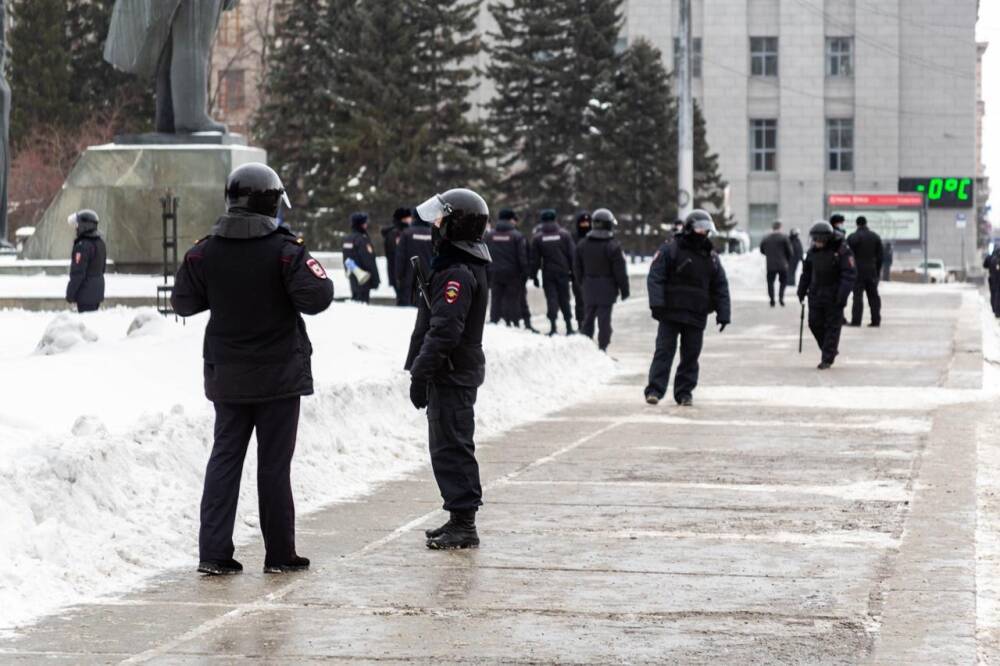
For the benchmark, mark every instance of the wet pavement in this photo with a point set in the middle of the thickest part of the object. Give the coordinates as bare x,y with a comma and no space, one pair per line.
790,516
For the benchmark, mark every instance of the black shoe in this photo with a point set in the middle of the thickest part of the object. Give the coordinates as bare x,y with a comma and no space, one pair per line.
782,301
228,567
296,564
553,331
853,325
772,304
569,329
457,533
437,531
685,401
652,399
824,366
874,325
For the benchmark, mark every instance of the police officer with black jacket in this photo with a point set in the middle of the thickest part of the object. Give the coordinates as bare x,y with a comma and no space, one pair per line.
446,360
552,252
992,265
828,275
401,219
87,264
600,271
359,259
583,226
868,254
686,283
509,269
257,279
414,242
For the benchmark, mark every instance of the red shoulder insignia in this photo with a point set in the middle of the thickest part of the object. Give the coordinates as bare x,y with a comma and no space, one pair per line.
77,257
452,291
316,268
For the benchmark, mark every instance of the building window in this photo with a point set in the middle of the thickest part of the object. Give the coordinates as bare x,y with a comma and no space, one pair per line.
232,95
840,144
840,56
764,56
762,216
695,52
230,29
763,145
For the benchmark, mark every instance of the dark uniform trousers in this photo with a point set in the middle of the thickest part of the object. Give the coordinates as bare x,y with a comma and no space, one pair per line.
826,321
580,309
276,423
556,286
782,277
88,307
525,309
360,293
601,315
686,380
505,299
452,425
995,295
869,287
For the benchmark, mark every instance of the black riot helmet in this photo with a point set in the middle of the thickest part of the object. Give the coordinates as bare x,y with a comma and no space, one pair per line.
603,223
821,233
700,222
461,217
85,216
255,188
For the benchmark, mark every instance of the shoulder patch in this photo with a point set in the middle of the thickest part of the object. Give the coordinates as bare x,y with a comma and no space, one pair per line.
316,268
300,240
452,290
850,260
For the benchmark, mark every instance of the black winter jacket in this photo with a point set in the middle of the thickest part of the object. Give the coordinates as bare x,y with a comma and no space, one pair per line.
687,282
358,246
828,274
390,239
509,250
416,241
778,249
255,279
868,252
552,251
600,268
86,269
797,251
447,342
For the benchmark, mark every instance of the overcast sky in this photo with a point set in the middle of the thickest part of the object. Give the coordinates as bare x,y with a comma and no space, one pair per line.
989,30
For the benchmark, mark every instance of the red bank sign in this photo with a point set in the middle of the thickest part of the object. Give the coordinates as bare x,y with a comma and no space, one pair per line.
876,200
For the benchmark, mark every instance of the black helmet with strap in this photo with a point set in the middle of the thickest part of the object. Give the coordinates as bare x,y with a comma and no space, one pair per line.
461,216
603,223
255,188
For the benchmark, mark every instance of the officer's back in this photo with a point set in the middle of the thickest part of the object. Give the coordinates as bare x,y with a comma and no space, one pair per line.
601,268
415,241
831,271
553,249
508,248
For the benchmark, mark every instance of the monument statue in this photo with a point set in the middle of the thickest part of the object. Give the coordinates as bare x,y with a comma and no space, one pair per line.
4,122
171,41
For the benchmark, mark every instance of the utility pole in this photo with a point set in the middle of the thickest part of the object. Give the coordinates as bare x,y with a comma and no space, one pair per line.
685,117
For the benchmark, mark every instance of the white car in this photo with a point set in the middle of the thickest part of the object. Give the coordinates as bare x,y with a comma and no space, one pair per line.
936,271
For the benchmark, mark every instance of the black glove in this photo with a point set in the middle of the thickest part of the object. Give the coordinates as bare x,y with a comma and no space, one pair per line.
418,394
535,281
722,325
659,313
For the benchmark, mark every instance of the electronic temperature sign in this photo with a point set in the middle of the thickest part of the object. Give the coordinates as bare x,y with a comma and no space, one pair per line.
942,192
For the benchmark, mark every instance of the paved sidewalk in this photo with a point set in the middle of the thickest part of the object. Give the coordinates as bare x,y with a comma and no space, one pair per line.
791,516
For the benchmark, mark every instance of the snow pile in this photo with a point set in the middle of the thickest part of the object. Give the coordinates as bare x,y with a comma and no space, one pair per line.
65,332
147,322
103,448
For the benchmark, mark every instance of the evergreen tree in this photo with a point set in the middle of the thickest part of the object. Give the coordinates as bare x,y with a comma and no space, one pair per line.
709,187
295,120
39,71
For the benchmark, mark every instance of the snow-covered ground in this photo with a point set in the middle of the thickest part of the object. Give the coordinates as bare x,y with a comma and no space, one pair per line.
103,446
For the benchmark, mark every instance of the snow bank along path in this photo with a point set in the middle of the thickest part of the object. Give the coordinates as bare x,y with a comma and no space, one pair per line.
103,446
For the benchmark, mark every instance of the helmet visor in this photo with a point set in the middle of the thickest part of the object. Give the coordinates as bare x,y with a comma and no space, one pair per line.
434,209
73,220
703,226
285,200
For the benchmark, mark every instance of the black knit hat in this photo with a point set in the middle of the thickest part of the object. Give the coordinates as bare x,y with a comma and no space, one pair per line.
548,215
507,214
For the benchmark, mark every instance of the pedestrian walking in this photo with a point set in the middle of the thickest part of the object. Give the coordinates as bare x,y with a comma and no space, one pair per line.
256,279
416,241
868,255
359,260
87,263
992,265
601,272
828,275
391,233
798,252
778,250
552,252
446,361
583,226
509,270
686,283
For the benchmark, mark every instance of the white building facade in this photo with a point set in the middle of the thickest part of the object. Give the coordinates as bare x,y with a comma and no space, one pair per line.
804,98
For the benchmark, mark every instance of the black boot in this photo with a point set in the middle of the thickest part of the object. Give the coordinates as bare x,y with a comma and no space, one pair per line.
295,564
437,531
553,331
220,567
569,328
459,532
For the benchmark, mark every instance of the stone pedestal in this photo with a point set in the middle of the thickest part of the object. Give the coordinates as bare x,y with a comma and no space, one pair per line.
124,184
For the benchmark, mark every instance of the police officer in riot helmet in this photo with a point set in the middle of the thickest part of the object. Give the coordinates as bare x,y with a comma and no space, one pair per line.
828,275
446,361
256,279
87,263
584,224
552,251
686,283
599,266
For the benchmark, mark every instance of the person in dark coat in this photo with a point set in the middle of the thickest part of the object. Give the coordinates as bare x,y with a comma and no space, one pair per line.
446,361
828,275
359,259
401,219
868,255
87,263
509,270
887,261
583,226
798,252
257,280
778,250
413,242
838,223
992,265
602,275
686,283
552,251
